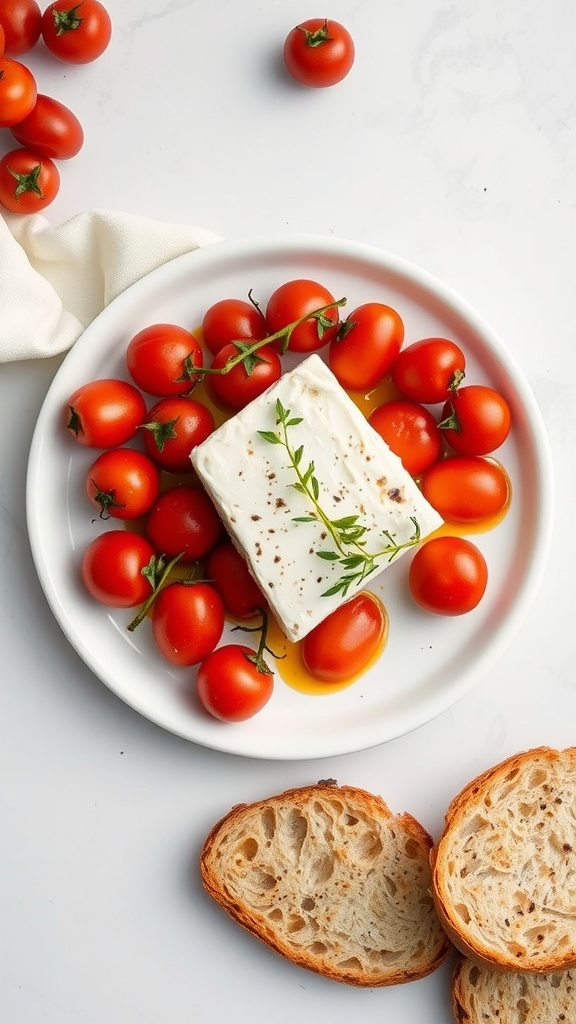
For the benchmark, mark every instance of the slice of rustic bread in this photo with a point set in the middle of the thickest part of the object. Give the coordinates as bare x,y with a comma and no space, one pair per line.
484,996
329,878
504,869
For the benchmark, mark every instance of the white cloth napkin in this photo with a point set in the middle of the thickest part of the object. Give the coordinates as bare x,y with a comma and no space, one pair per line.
55,280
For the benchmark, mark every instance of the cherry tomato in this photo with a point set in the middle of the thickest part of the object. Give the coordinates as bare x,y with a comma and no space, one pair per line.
319,52
232,320
294,300
112,568
161,357
230,686
246,380
17,92
28,182
174,427
183,521
187,621
76,33
343,644
411,431
366,346
430,370
21,21
228,570
105,413
476,421
466,488
50,129
122,483
448,576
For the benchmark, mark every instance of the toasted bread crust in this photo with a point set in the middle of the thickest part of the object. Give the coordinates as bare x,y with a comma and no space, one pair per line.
329,878
504,869
484,996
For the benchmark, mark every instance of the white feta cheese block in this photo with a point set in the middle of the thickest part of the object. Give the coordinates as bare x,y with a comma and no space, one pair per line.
251,482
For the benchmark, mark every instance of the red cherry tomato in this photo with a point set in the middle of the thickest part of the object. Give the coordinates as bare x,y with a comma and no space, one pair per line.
187,622
366,346
174,426
183,521
448,576
105,413
28,182
122,483
319,52
476,421
160,359
50,129
430,370
112,569
228,570
466,488
76,32
246,380
20,21
411,431
296,299
17,92
230,686
344,643
232,320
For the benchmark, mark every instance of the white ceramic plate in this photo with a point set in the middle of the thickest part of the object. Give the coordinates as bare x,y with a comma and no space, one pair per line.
430,662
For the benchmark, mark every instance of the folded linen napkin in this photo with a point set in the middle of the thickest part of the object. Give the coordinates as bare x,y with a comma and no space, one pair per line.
55,280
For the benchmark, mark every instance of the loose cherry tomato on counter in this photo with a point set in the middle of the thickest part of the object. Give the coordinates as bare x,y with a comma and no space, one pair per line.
466,488
17,92
411,431
366,346
113,568
319,52
161,358
232,320
21,21
28,182
50,129
105,413
296,299
183,521
187,621
430,370
343,644
246,380
174,426
448,576
227,569
122,483
233,684
76,32
476,421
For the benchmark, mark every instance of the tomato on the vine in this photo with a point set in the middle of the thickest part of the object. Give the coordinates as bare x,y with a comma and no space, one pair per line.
174,426
367,343
183,521
228,570
105,413
430,370
161,359
319,52
17,92
50,129
295,300
466,488
343,644
187,621
476,421
76,32
448,576
122,483
232,320
248,378
411,431
233,684
113,567
20,21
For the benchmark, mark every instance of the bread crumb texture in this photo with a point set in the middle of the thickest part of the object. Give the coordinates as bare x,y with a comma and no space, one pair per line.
330,879
504,875
485,996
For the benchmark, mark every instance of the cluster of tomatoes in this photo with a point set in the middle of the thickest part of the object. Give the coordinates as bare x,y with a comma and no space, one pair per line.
74,31
177,564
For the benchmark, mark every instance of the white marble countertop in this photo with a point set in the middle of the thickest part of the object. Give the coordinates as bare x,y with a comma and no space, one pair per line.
452,143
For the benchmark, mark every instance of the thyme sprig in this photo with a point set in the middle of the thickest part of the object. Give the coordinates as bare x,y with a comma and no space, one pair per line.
348,533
